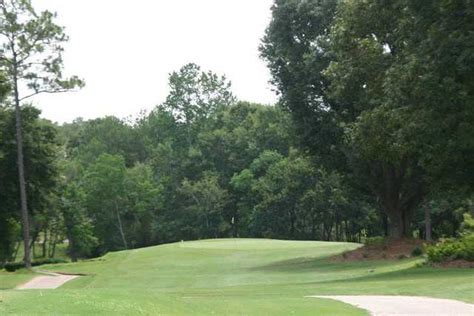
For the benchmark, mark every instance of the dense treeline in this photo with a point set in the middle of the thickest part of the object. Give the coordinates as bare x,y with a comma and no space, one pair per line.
373,135
182,172
201,165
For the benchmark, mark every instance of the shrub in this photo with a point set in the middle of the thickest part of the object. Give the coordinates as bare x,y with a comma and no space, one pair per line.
453,249
467,247
416,252
13,266
374,241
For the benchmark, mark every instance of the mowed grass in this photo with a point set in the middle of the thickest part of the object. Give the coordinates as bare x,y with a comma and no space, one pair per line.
231,277
10,280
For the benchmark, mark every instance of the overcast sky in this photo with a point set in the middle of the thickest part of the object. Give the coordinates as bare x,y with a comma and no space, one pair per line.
125,50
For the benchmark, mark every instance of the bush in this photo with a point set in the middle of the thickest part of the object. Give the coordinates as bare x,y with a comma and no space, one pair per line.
374,241
452,249
416,252
467,247
13,266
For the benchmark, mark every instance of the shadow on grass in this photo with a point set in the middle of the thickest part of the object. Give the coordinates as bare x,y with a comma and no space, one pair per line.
361,271
307,264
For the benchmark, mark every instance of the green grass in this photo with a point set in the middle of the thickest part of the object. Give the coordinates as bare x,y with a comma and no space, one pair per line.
10,280
232,276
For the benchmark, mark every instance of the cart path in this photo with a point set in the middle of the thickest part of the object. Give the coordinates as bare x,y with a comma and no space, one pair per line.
406,305
48,281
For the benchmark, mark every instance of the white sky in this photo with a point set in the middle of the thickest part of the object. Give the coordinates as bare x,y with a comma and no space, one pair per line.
125,50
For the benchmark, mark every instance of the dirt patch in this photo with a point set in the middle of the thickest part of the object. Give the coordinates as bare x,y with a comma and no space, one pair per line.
390,249
454,264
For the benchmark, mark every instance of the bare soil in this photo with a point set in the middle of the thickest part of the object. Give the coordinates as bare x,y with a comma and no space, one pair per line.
390,249
454,264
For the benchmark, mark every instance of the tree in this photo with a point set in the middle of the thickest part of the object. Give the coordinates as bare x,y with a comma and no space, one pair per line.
144,201
31,49
41,147
206,203
400,86
87,140
196,95
78,225
380,91
295,47
106,200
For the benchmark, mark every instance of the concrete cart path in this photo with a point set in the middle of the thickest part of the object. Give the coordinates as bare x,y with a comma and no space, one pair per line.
406,305
49,281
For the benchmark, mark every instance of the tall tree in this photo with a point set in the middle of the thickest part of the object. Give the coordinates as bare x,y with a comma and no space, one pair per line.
41,147
404,84
31,57
383,88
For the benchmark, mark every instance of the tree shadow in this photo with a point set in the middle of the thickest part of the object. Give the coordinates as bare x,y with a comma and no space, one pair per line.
305,264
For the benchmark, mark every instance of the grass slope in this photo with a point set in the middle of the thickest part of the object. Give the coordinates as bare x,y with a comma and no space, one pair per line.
231,276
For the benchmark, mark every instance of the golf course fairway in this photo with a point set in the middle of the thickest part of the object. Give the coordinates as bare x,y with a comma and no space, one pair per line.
229,277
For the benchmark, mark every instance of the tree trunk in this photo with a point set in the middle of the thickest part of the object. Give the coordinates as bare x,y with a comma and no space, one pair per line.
33,240
21,180
427,222
45,242
15,254
119,221
69,223
21,169
399,223
53,245
399,191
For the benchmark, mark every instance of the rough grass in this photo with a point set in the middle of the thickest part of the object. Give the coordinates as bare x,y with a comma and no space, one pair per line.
232,276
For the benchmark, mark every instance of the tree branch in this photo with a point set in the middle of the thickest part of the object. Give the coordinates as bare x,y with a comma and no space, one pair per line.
45,91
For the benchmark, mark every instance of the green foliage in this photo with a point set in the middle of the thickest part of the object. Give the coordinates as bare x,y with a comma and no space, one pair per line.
376,100
197,95
467,226
13,266
374,241
453,249
79,227
40,148
206,206
445,250
417,252
31,48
